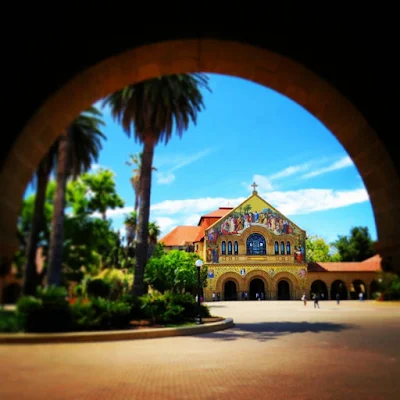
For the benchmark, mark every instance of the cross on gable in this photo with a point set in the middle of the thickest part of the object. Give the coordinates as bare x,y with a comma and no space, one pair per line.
254,185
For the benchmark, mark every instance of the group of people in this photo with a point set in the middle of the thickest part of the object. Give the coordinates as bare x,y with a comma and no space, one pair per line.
317,297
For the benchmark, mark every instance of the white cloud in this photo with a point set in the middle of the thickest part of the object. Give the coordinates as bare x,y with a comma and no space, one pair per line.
165,178
262,182
95,167
340,164
291,171
192,219
306,201
166,224
190,206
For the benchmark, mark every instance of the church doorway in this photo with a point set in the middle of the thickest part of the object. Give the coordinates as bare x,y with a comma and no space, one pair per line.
339,287
283,290
230,291
319,287
256,286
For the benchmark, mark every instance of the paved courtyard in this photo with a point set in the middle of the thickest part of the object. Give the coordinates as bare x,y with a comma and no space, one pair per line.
277,350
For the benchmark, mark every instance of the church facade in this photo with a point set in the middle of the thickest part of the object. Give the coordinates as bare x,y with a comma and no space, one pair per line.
254,250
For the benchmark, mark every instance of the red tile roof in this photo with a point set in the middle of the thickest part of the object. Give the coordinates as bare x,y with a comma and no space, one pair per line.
372,264
181,236
221,212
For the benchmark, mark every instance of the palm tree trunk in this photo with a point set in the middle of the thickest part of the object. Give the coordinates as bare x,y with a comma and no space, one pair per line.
144,214
136,203
57,232
104,215
30,274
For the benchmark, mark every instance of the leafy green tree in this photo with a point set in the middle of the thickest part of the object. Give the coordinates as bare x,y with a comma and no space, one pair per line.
174,271
94,192
78,148
153,109
357,247
318,250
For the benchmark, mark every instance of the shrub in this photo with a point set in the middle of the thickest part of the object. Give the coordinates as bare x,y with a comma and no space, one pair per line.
98,288
100,314
10,322
48,312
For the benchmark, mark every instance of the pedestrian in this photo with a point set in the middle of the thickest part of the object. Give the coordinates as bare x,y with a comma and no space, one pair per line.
337,298
361,296
304,298
245,295
213,296
218,296
316,300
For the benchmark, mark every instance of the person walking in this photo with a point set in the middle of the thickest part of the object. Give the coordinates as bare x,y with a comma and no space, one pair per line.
337,298
304,298
316,300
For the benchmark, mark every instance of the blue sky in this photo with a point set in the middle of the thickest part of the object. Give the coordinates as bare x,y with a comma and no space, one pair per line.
246,133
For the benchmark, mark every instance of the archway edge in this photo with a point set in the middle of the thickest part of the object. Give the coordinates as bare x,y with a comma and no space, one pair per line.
229,276
214,56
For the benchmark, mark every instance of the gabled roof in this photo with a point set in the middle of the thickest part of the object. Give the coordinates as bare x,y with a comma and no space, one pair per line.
181,236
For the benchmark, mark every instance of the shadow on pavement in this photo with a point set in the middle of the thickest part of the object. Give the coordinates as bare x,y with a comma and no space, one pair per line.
264,331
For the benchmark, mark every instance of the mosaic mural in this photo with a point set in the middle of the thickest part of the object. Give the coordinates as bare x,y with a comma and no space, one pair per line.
254,212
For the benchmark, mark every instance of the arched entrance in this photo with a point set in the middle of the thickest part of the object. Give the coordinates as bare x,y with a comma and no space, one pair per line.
256,286
358,287
265,67
230,290
339,287
319,287
283,290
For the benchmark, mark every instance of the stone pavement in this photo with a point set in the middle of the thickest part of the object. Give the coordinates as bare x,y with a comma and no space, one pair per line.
277,350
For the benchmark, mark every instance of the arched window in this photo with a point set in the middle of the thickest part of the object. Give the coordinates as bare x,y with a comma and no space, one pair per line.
236,248
288,248
276,248
256,244
229,247
223,248
282,248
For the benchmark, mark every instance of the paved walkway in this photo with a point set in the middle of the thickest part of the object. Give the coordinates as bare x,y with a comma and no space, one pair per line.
277,350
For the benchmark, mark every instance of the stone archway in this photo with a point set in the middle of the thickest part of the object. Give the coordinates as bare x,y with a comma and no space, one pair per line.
233,277
320,287
358,286
292,285
230,291
257,64
339,287
269,289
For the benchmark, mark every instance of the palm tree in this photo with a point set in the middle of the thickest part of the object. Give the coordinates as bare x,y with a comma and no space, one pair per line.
154,232
153,109
130,222
30,277
78,148
136,162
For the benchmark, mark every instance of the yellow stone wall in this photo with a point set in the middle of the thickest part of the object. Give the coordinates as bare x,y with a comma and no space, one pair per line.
271,275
